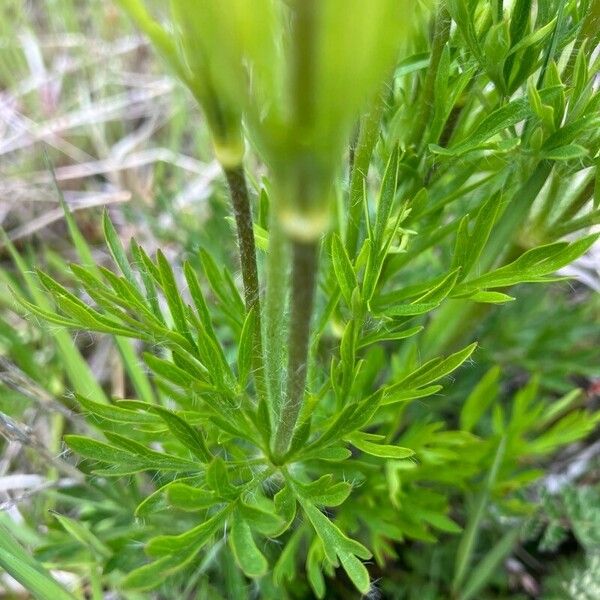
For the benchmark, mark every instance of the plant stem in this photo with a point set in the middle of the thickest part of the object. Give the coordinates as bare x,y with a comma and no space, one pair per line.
238,190
240,199
275,307
304,277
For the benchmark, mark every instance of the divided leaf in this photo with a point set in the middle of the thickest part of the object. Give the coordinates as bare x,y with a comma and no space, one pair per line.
246,552
337,545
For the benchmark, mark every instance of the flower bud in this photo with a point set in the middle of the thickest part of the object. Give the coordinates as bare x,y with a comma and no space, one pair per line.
325,59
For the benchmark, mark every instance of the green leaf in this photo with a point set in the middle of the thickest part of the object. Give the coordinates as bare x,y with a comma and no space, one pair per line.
261,514
314,560
534,265
127,293
333,454
535,37
378,244
46,315
78,371
568,152
184,433
389,185
156,501
245,348
437,520
433,370
203,312
244,548
559,407
230,300
171,292
478,401
463,15
157,460
439,292
337,545
262,420
467,543
362,442
394,394
188,497
27,571
193,540
285,567
83,315
580,71
324,492
116,249
570,132
356,571
111,412
285,503
343,268
171,372
490,297
353,417
218,479
409,310
502,118
197,295
128,456
415,62
469,246
544,112
154,574
102,452
484,571
386,335
83,535
138,377
141,262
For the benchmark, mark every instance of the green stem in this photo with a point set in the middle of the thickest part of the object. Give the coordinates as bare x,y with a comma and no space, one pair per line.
304,277
275,306
240,200
238,190
304,59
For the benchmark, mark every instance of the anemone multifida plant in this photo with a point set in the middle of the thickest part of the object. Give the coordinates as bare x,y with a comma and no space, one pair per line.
421,159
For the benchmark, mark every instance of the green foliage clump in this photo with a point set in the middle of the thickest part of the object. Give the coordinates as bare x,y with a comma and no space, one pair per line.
298,427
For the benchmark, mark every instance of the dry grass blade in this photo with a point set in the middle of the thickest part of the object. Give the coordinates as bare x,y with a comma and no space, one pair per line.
23,435
56,214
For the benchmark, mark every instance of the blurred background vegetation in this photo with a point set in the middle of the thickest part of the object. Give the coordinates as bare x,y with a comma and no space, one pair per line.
80,91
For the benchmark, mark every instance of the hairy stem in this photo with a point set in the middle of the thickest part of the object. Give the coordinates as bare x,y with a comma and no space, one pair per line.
304,277
240,200
275,322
